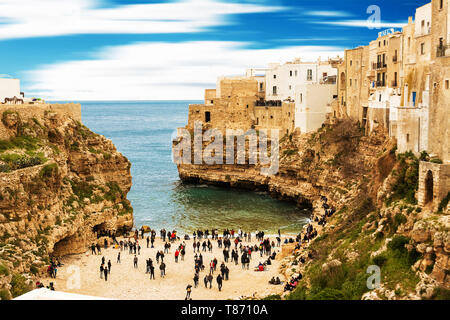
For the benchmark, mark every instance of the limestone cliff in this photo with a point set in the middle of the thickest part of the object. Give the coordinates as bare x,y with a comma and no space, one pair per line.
377,219
58,181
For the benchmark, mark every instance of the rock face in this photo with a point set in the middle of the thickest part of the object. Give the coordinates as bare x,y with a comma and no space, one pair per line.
59,184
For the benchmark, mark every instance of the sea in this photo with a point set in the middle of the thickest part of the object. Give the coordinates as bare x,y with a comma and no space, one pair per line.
143,132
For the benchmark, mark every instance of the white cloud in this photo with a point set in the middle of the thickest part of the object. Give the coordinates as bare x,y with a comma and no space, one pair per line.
329,13
29,18
363,24
146,71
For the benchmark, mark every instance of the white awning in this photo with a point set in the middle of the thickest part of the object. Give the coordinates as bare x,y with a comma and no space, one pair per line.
46,294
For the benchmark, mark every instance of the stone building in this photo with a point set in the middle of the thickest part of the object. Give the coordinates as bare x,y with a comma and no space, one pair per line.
400,81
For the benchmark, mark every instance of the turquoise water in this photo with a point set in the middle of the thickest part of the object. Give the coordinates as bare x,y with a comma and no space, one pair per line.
143,131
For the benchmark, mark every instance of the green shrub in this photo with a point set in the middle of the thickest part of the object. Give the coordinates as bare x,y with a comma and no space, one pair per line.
328,294
19,285
4,270
407,181
49,171
398,243
379,260
444,203
273,297
4,295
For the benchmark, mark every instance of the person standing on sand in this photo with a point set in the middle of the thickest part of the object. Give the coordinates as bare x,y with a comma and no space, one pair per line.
210,279
152,272
101,271
162,267
105,271
196,280
118,257
148,241
205,281
219,282
177,253
109,266
135,261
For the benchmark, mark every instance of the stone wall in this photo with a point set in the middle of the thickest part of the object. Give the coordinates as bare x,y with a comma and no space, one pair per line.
438,177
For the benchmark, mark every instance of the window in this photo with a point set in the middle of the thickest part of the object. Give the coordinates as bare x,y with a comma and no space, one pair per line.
274,90
296,72
274,76
261,86
407,137
409,42
207,116
301,97
309,75
290,73
384,43
441,4
356,83
290,87
257,121
422,48
447,84
350,82
351,63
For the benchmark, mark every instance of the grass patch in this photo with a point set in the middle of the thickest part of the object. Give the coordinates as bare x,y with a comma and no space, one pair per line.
19,285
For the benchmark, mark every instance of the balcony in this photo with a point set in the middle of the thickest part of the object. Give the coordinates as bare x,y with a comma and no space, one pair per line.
379,65
271,103
381,84
441,49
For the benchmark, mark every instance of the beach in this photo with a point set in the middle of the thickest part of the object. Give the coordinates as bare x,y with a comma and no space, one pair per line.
127,282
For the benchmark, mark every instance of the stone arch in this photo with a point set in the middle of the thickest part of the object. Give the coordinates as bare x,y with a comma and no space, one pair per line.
429,186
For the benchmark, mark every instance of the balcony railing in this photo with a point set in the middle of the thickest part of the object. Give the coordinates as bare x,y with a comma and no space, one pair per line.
379,65
441,50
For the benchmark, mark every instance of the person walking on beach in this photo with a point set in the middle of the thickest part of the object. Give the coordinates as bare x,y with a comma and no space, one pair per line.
109,266
219,282
105,271
196,280
101,271
177,253
205,281
162,267
148,241
135,261
210,279
188,292
152,272
118,257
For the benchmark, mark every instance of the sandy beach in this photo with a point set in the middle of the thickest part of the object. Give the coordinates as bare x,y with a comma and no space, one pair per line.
127,282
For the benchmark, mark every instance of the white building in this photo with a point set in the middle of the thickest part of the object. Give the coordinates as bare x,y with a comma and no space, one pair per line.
9,88
312,103
281,80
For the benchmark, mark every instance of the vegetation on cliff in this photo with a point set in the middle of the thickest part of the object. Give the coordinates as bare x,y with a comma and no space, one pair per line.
59,180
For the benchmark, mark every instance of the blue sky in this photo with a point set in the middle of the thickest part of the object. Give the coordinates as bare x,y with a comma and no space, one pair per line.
154,49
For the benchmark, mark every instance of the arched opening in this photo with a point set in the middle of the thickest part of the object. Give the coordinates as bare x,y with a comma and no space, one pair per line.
429,187
343,79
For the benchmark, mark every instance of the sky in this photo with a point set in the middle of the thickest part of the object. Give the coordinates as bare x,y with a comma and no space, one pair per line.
173,50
